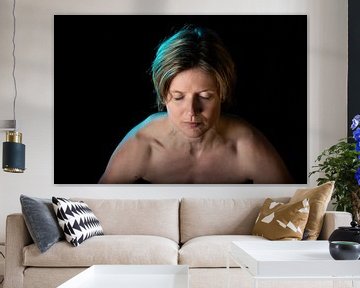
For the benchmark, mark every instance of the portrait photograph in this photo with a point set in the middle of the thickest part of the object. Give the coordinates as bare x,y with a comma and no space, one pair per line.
180,99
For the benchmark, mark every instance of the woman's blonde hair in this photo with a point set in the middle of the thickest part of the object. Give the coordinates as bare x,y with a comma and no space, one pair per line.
188,48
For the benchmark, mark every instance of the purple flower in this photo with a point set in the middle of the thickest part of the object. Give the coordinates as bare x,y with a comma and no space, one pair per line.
356,134
357,176
355,122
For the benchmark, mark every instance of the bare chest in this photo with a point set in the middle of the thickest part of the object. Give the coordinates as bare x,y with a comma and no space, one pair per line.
175,167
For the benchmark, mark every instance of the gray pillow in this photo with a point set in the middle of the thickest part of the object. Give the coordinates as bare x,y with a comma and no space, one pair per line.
41,221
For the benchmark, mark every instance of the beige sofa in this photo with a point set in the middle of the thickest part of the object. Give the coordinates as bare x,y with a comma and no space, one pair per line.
195,232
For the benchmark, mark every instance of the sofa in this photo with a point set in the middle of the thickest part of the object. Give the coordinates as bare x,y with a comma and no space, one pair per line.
188,231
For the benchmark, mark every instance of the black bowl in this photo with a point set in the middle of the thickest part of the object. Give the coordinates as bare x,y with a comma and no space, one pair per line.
344,250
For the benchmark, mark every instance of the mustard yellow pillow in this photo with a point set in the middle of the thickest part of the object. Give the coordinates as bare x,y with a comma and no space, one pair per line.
279,221
319,198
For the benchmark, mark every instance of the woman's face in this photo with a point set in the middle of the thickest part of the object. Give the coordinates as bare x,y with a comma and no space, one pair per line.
193,102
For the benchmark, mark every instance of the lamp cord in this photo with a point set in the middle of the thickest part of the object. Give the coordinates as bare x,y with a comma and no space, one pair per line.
14,62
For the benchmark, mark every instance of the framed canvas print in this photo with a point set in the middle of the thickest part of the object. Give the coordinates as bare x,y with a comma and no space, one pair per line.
180,99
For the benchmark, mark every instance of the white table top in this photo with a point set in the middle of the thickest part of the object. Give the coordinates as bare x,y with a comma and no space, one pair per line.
131,276
291,259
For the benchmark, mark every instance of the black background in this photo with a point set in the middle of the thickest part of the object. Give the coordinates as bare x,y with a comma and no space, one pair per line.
103,85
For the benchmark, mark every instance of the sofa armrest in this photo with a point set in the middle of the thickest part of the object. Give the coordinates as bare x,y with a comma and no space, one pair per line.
333,220
17,237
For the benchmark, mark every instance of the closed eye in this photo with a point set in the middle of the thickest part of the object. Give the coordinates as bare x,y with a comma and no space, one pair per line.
178,97
206,96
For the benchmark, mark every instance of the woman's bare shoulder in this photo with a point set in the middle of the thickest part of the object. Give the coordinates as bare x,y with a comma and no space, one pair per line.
129,161
147,128
258,154
238,128
247,138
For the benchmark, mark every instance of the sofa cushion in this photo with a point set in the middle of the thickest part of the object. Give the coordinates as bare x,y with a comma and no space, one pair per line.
52,277
107,249
279,221
77,220
211,251
41,221
158,217
200,217
319,198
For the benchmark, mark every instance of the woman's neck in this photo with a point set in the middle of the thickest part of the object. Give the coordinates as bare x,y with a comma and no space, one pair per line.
194,146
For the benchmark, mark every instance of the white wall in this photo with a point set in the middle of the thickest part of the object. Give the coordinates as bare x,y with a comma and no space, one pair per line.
327,98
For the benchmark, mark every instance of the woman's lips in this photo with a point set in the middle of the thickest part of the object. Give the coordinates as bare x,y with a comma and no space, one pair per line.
193,124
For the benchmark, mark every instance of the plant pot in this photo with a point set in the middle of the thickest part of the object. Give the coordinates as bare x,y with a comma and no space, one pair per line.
344,250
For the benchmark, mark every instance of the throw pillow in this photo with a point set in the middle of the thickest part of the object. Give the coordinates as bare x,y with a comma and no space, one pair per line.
319,198
77,220
279,221
41,221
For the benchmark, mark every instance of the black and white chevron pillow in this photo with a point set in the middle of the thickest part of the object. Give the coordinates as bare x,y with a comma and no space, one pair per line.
77,220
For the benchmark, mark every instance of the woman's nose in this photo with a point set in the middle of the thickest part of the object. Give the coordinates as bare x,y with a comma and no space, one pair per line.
193,106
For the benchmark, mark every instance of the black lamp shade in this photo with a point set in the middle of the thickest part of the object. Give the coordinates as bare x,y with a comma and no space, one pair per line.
13,157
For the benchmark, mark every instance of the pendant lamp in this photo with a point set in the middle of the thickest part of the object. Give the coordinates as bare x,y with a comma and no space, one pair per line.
13,150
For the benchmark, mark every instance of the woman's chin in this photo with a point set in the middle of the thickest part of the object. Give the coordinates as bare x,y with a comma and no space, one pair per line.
193,133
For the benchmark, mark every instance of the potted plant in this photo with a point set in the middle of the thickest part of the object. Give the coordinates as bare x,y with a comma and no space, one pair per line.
341,163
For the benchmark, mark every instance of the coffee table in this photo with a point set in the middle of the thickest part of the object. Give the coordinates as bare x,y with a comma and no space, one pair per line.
131,276
296,260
